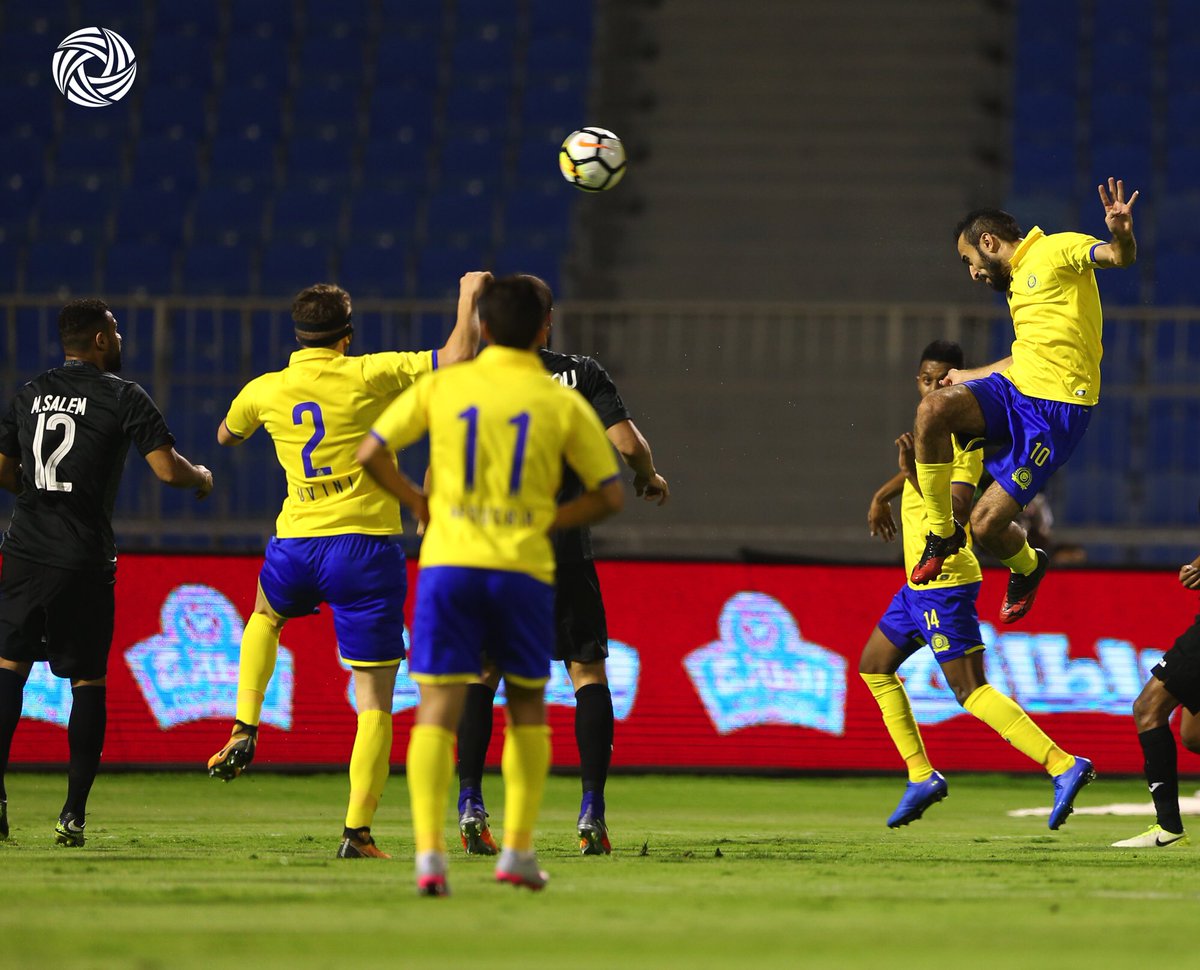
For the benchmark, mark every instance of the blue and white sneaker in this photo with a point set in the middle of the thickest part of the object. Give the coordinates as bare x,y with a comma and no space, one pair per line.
1066,787
917,797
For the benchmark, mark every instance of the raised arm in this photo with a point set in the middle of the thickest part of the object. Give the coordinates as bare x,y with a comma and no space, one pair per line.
1118,216
633,447
956,376
173,469
378,463
879,512
226,437
463,342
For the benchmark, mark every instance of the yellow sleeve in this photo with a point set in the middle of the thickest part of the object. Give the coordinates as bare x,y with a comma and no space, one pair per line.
1074,250
391,372
968,466
587,449
244,415
406,418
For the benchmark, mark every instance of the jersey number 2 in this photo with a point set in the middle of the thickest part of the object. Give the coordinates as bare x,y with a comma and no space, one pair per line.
520,422
313,410
45,473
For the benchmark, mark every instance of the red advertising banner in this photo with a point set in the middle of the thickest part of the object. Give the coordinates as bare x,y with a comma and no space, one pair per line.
712,666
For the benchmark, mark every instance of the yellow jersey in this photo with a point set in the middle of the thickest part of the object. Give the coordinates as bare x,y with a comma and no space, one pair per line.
317,410
1055,308
962,567
498,434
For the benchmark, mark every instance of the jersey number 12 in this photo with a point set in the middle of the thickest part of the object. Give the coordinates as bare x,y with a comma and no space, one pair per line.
45,471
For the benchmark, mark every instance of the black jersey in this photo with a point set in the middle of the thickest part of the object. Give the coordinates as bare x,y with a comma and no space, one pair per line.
71,428
589,378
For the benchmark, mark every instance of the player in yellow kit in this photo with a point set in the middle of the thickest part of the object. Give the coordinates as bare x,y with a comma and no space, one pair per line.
499,432
337,538
1031,409
942,615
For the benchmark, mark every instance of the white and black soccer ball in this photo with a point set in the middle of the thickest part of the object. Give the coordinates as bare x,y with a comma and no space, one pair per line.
592,159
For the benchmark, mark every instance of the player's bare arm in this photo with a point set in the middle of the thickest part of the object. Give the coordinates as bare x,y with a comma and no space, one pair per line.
591,506
463,342
1189,574
377,462
1121,251
226,437
635,450
171,468
10,474
879,513
959,376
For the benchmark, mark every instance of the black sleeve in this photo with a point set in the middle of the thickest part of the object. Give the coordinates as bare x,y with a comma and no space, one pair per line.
602,395
142,421
9,443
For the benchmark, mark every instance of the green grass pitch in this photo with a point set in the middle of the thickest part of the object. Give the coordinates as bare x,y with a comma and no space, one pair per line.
181,871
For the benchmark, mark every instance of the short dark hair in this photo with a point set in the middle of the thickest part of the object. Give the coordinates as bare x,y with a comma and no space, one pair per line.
544,291
944,352
999,223
79,322
321,314
513,308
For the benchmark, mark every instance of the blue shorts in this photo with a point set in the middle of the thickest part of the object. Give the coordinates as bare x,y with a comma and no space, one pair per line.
364,580
1026,439
945,618
463,614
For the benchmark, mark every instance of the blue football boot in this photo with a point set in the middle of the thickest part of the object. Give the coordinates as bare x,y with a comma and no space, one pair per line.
1067,786
917,797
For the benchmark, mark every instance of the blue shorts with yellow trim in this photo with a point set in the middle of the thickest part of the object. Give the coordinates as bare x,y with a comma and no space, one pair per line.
944,617
464,614
364,580
1026,439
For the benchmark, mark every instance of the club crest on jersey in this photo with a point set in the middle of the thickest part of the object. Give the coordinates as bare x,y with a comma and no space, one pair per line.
1023,478
940,643
1031,282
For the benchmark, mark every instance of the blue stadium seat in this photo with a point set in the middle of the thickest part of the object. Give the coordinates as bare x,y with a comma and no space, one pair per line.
439,268
538,219
60,267
480,104
177,112
1122,63
324,58
216,270
485,16
1136,18
553,111
1171,499
73,211
1176,282
1042,114
1045,167
1109,439
1178,216
137,267
1044,63
167,163
201,19
15,217
1099,498
179,61
1130,163
1054,213
373,271
557,56
47,17
263,18
399,114
1121,287
1136,111
251,113
479,158
227,216
554,18
302,215
316,159
1183,116
395,163
1171,422
261,62
24,158
28,112
1126,351
150,215
414,18
543,261
9,263
337,17
80,157
288,269
460,220
242,162
486,56
407,62
326,110
1183,162
382,217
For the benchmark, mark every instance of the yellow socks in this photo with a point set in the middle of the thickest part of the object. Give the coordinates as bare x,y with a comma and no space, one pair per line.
430,766
898,718
260,646
1005,716
524,764
368,767
935,479
1024,562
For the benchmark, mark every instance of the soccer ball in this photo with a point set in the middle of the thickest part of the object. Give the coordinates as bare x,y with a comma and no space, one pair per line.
592,159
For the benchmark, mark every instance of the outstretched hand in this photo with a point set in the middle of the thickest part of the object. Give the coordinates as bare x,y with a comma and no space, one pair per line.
1118,213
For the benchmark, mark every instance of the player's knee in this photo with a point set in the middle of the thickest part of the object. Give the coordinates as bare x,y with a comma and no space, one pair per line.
1189,734
988,521
869,664
932,414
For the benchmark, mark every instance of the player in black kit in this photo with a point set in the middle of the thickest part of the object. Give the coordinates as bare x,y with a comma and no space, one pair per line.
582,627
62,451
